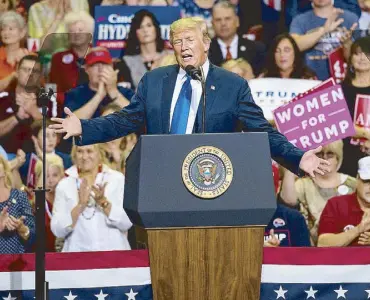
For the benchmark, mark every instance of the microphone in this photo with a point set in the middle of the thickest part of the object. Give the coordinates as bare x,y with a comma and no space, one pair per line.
194,73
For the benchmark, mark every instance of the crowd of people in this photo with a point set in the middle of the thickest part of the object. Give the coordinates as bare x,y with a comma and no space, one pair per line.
84,202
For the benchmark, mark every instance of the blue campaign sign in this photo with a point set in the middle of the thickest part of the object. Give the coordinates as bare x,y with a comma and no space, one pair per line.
112,24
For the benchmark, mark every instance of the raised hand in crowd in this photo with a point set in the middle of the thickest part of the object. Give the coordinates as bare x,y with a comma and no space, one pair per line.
364,238
100,199
332,22
84,193
4,215
28,102
37,146
273,240
64,7
364,226
18,161
109,77
346,39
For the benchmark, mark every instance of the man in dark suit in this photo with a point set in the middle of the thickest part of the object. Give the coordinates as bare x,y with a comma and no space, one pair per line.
167,102
227,44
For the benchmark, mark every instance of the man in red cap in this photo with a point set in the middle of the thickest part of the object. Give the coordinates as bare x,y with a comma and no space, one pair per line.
87,99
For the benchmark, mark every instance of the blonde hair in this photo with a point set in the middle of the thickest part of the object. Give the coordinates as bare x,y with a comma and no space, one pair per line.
337,148
12,16
7,171
52,160
167,60
240,62
194,23
77,16
97,147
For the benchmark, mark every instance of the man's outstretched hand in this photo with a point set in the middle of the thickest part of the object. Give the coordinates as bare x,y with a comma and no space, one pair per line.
71,125
312,164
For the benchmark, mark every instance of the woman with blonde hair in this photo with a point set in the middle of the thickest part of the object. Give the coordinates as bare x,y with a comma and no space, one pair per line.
239,66
311,194
88,208
17,224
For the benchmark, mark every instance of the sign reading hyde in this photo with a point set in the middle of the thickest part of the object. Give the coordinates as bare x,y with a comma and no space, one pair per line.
316,119
113,23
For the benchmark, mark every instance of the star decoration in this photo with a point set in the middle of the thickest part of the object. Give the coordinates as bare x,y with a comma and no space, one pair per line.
101,296
280,293
311,293
131,295
9,297
368,293
341,293
70,296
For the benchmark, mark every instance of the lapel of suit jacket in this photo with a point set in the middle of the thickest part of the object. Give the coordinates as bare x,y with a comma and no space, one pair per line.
211,95
168,87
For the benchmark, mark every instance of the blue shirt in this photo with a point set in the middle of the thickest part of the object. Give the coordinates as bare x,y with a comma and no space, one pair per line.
290,227
317,57
10,241
79,96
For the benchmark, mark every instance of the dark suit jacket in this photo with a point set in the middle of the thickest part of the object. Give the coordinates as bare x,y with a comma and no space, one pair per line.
229,100
253,52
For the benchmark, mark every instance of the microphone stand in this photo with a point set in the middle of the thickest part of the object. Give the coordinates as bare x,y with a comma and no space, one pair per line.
42,286
203,82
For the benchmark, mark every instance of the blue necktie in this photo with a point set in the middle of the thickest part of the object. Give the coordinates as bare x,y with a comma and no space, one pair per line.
181,112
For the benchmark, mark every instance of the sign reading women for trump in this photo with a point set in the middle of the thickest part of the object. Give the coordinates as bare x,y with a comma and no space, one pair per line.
316,119
270,93
112,25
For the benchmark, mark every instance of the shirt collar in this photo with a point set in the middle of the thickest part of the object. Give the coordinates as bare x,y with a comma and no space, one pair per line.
205,68
233,43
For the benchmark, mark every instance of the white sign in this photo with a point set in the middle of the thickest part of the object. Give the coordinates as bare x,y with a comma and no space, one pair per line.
270,93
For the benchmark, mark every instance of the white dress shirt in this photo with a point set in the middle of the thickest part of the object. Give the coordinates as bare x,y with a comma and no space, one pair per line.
196,95
94,231
233,47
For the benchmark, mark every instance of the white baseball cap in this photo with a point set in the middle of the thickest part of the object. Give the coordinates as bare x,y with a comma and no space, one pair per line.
364,168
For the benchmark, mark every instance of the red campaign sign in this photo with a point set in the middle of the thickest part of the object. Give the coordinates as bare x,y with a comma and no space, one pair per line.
325,84
337,64
31,176
316,119
361,116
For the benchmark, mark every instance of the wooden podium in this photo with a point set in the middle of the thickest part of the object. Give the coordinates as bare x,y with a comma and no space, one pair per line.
201,249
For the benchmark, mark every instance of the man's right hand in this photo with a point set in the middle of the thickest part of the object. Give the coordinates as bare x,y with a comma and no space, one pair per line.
71,125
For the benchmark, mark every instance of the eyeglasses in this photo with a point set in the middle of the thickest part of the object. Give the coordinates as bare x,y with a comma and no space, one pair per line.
326,155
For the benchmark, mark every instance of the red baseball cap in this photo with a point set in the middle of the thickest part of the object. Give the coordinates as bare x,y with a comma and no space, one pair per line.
100,55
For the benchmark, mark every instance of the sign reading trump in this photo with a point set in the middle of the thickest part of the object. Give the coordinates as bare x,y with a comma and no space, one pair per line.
316,119
112,25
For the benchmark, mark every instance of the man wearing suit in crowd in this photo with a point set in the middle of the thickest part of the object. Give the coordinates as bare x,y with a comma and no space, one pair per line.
227,44
167,102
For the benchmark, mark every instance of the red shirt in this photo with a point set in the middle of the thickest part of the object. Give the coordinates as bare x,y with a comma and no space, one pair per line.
340,214
16,138
64,73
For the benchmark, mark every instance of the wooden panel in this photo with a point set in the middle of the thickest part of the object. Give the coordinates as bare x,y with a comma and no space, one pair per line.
206,263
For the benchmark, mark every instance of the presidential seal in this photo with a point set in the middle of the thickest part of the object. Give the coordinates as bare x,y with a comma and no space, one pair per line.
207,172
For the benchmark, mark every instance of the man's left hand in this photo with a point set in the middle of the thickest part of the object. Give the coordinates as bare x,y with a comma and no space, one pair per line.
312,164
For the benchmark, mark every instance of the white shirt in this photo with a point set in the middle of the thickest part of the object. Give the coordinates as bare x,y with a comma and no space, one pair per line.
364,21
233,47
196,95
94,231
